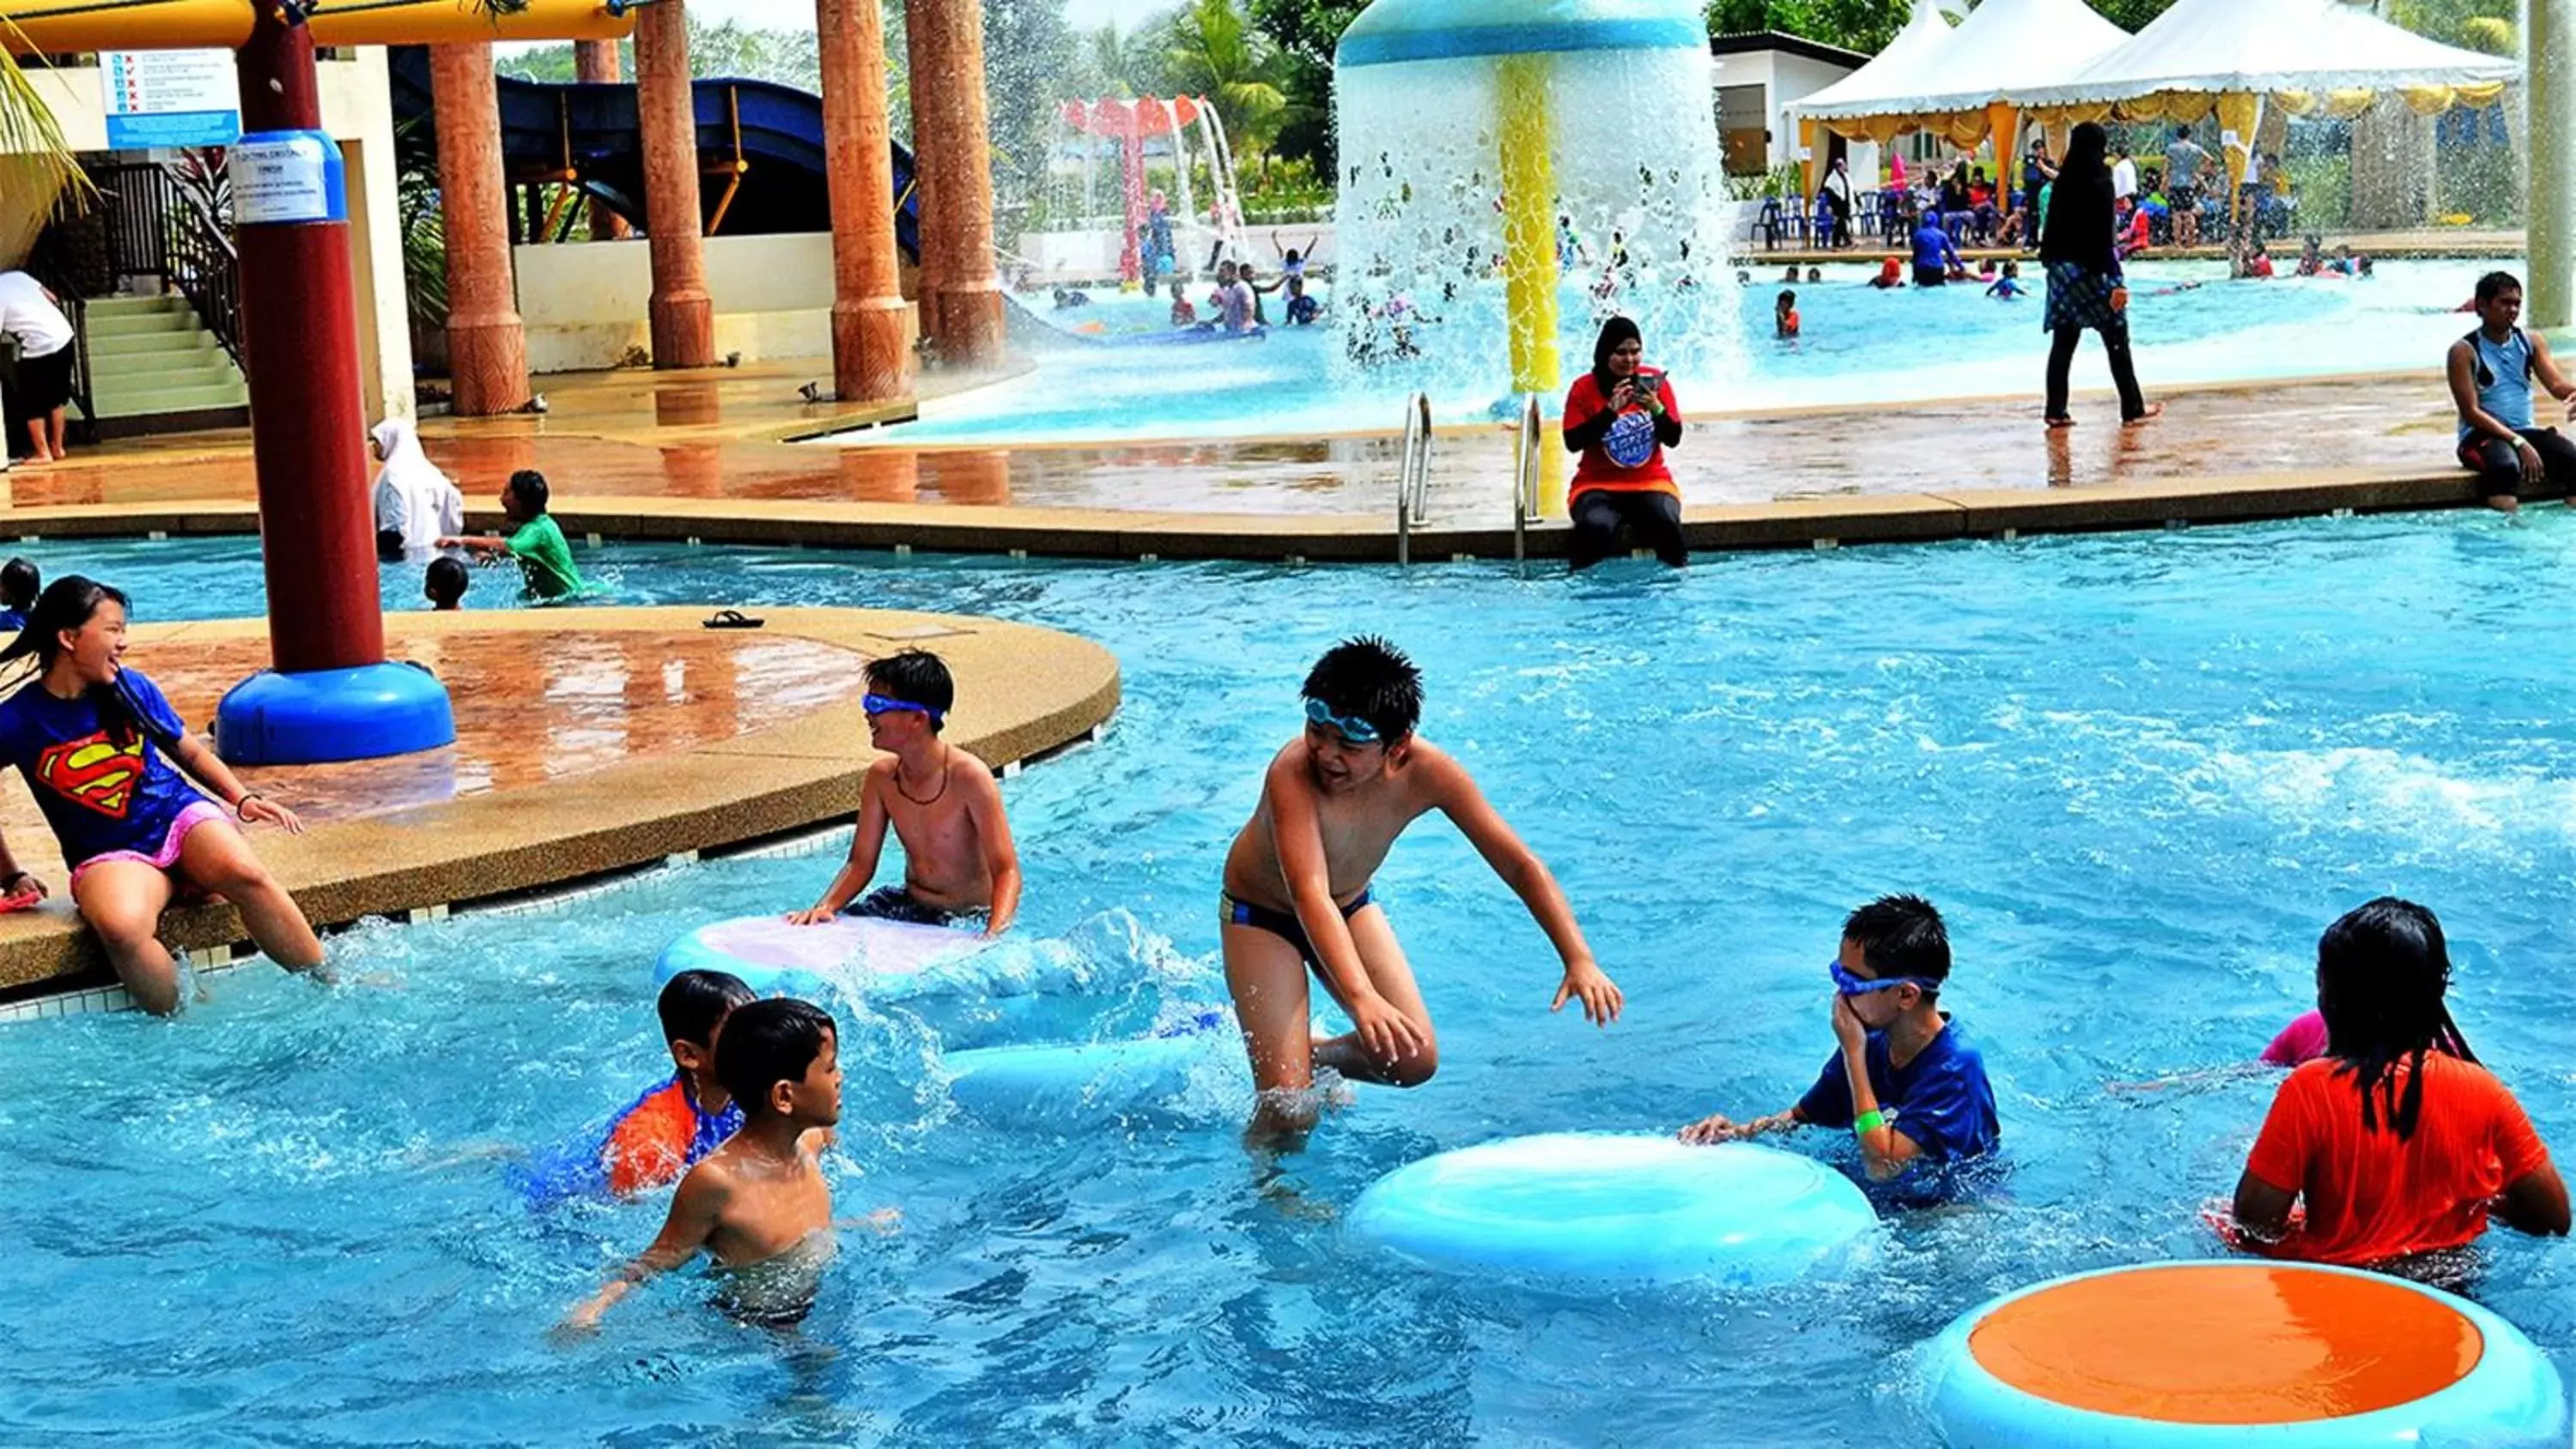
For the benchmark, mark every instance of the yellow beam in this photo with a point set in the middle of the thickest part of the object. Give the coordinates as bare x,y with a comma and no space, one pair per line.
429,22
58,27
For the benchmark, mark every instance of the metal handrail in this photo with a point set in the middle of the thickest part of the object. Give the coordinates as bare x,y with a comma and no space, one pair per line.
1413,476
1530,439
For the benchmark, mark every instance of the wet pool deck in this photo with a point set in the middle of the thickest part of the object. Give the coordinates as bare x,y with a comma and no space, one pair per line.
589,742
2422,244
698,456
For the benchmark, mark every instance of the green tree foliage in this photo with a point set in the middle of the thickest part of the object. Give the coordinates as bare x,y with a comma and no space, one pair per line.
1305,33
1862,25
1215,51
1126,66
2491,26
1032,64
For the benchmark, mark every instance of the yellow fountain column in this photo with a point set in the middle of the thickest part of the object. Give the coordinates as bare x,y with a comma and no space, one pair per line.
1525,131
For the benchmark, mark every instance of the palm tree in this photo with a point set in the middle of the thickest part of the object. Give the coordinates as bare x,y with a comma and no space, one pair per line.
28,135
1126,66
1215,52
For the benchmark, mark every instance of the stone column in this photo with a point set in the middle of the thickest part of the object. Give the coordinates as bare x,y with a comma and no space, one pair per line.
2550,134
961,297
684,323
871,358
594,62
487,349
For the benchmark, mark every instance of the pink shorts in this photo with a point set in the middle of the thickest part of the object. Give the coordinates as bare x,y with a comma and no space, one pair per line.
189,818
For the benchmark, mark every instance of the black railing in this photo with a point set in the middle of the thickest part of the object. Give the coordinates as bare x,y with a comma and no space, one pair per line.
155,230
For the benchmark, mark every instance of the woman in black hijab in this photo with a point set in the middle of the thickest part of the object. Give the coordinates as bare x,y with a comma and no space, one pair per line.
2085,288
1621,416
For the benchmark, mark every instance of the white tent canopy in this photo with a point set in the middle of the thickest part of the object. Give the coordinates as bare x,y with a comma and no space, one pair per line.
1915,61
2267,46
2008,46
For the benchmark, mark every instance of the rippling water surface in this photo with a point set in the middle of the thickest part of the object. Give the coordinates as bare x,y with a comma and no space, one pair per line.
2139,773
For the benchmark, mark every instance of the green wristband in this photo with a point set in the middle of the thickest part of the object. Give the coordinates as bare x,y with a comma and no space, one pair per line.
1868,1122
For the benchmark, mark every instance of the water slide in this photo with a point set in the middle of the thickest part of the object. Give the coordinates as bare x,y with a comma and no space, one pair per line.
762,145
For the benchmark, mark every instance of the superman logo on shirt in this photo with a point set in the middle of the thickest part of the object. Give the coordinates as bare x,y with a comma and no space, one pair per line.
94,772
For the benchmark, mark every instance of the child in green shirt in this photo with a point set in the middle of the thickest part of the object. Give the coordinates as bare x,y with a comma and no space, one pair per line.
536,541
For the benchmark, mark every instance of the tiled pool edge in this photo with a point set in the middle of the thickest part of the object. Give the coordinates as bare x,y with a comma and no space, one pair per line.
1035,693
1369,538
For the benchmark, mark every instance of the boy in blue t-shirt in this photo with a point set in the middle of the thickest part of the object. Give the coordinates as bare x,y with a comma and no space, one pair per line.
1909,1088
19,585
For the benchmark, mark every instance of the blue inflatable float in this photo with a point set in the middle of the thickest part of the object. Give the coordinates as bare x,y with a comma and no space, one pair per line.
2240,1352
848,953
1614,1206
1059,1080
1202,335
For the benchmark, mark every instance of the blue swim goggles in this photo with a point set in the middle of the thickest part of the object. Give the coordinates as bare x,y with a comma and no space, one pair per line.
1850,985
877,704
1352,731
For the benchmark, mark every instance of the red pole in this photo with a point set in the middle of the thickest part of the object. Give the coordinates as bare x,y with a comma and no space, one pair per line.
308,424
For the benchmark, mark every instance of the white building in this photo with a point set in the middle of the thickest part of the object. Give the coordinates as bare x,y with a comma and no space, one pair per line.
1759,76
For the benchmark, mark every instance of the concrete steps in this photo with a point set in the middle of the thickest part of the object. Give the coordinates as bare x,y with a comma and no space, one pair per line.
150,357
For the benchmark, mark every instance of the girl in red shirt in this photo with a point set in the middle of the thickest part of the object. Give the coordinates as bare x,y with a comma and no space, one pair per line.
2396,1142
1621,416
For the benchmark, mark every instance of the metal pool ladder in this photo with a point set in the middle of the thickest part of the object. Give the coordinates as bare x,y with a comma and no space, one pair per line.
1413,479
1529,441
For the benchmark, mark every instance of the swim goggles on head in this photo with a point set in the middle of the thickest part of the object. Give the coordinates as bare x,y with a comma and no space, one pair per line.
1850,985
1353,731
877,704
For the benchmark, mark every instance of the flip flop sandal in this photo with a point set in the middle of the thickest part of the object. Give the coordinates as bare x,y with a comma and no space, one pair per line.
733,619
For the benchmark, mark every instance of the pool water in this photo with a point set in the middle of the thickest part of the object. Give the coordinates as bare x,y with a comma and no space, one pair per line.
2139,773
1858,345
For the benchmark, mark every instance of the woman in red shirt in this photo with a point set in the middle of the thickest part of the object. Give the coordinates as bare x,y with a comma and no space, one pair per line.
2396,1142
1621,416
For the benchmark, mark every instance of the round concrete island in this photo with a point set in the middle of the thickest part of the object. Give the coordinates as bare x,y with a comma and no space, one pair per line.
2238,1353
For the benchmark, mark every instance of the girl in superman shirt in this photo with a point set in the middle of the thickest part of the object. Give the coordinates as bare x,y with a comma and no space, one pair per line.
96,742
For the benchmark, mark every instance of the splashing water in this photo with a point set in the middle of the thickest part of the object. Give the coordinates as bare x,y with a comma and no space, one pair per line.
1428,224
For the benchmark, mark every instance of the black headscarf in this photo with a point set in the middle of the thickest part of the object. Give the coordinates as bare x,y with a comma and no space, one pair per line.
2080,220
1613,332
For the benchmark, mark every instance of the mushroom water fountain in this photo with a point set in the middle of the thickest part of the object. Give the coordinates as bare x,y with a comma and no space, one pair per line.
1512,172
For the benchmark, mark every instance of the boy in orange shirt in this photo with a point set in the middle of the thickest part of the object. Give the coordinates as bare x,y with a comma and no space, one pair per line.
2432,1145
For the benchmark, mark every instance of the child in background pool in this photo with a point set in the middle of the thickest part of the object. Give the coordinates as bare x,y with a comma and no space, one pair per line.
445,584
538,543
675,1123
19,585
1784,316
103,753
1296,894
2396,1143
1183,314
2007,286
1909,1088
959,861
1303,310
759,1204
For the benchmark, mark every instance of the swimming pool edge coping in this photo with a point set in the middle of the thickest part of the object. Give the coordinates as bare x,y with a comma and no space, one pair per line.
1026,692
1100,533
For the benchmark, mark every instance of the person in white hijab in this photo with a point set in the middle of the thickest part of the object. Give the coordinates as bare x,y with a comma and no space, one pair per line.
416,505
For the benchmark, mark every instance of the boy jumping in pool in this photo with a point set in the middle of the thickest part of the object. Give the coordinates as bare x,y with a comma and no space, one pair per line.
760,1199
666,1131
943,804
1296,892
1903,1081
537,542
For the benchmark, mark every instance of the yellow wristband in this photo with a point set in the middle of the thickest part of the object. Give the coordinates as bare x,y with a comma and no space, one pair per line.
1868,1122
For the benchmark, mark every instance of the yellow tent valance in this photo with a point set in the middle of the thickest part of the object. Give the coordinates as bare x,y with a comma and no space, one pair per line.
2183,107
